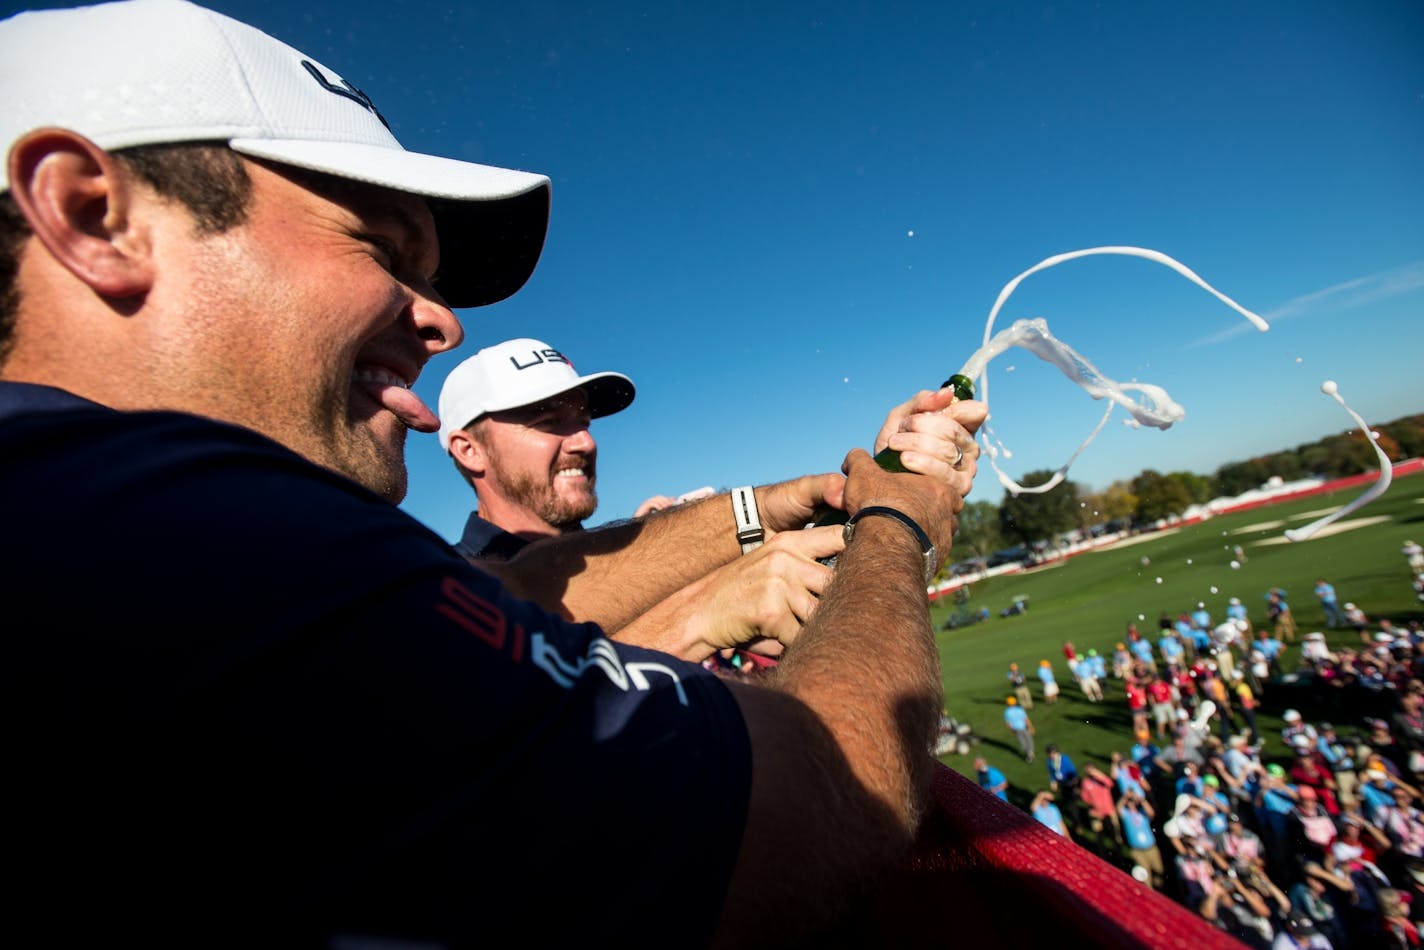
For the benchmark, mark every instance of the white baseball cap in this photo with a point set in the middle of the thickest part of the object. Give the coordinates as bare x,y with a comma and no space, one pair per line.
149,72
518,373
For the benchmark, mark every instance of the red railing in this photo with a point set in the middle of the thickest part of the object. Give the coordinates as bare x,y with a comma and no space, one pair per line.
985,873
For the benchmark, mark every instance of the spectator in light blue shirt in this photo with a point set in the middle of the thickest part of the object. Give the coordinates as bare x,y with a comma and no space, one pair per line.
1183,626
991,779
1171,648
1141,649
1201,617
1048,814
1270,648
1377,790
1098,664
1020,725
1334,616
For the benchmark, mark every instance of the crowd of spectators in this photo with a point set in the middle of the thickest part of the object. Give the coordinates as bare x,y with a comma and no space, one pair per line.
1310,838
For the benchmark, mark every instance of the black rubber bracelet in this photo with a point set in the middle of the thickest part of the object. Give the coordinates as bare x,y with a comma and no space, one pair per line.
926,545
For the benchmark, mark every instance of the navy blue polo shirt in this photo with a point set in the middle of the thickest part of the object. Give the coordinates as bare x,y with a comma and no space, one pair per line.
252,702
487,541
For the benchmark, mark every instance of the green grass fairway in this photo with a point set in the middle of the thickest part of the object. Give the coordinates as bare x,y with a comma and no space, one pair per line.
1091,598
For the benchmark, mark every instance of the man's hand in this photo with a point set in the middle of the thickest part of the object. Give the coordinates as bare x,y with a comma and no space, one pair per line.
765,595
929,430
655,503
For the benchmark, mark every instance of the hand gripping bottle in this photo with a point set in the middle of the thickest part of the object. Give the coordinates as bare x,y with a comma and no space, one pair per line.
889,459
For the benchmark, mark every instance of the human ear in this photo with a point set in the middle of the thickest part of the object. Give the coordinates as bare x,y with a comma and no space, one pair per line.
79,201
468,451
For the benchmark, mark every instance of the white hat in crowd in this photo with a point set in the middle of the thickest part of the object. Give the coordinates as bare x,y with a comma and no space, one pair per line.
518,373
1346,852
189,74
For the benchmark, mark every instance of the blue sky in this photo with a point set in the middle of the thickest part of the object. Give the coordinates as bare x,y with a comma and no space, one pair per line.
782,219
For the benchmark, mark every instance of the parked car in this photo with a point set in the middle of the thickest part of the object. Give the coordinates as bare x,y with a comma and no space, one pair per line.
1014,555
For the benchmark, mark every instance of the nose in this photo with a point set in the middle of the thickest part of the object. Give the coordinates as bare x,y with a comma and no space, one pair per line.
435,324
580,441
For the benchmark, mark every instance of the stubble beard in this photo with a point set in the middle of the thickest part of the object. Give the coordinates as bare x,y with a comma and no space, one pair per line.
536,493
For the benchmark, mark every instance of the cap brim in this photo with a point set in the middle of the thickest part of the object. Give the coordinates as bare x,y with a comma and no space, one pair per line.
491,222
608,393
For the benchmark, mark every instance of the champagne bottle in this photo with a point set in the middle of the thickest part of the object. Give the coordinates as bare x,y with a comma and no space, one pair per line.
889,459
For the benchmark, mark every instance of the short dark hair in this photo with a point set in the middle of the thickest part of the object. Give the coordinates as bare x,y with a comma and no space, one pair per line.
207,178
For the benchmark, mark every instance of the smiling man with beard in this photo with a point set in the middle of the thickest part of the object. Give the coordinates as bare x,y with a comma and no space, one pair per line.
515,418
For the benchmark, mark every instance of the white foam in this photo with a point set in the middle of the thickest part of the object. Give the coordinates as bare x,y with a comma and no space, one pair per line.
1150,405
1379,487
1153,406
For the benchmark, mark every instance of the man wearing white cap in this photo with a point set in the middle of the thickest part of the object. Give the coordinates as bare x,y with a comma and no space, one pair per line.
515,419
277,710
1295,725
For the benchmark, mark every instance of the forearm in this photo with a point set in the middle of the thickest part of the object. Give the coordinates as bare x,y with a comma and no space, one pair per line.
612,575
1258,903
872,635
841,739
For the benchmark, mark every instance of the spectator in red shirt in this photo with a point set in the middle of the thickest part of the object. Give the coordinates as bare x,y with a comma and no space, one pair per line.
1164,710
1308,771
1137,704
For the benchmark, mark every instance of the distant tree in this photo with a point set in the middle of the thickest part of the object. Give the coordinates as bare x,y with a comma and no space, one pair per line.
1286,466
1236,478
1389,446
1114,502
978,534
1031,517
1335,456
1408,434
1199,487
1160,496
1348,454
1086,511
1315,458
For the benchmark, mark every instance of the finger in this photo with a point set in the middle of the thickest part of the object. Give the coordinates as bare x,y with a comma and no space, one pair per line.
970,413
954,466
794,573
802,602
930,437
809,544
764,646
926,400
787,506
656,503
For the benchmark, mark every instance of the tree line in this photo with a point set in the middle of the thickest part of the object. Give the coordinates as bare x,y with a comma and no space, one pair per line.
1030,519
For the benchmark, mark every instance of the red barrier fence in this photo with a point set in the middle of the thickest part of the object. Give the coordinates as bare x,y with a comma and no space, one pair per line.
986,874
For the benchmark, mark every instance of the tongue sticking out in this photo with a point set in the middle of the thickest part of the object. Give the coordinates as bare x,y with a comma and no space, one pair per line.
405,404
